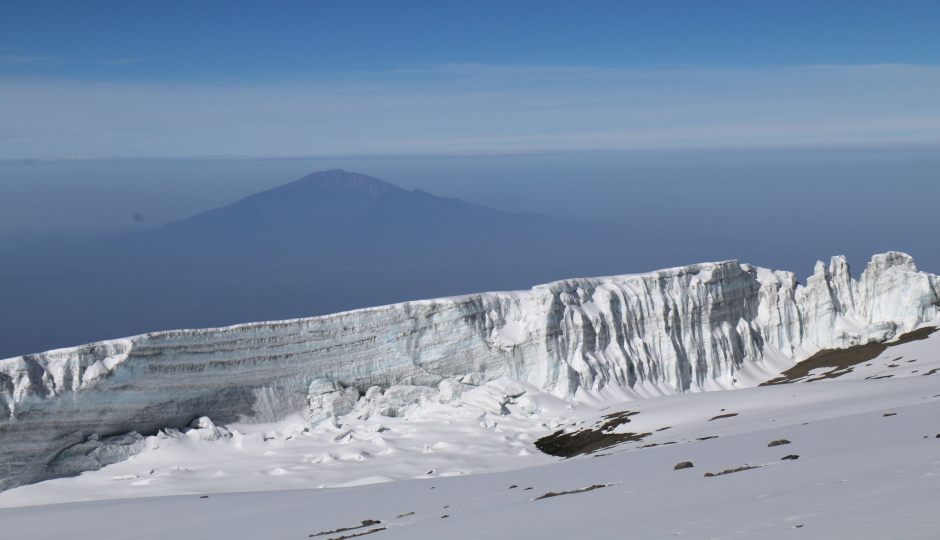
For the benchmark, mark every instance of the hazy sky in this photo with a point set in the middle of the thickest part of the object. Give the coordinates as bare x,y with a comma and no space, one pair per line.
236,79
778,208
717,125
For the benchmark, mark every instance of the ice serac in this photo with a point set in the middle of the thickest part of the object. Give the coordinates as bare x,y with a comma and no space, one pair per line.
692,328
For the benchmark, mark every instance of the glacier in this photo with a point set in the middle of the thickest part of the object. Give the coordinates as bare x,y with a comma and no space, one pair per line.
695,328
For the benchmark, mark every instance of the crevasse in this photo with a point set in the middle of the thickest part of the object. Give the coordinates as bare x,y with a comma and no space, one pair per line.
701,327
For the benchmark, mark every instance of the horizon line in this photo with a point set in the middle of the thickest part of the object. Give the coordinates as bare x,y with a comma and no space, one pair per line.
910,144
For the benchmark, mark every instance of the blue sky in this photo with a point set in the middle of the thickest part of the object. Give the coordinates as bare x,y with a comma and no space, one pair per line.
275,79
774,132
264,41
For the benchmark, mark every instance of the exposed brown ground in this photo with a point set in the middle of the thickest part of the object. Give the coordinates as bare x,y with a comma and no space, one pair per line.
585,441
358,534
365,523
582,490
720,416
729,471
588,440
841,361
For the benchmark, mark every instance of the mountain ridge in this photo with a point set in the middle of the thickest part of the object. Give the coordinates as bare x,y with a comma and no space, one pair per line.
341,196
330,241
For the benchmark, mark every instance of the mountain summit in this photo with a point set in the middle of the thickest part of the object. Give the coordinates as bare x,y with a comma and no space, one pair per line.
336,181
328,242
354,217
321,198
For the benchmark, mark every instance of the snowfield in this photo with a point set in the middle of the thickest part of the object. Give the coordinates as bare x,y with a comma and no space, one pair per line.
860,474
604,390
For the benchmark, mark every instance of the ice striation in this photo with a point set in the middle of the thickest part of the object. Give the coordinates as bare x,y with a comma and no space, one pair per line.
696,328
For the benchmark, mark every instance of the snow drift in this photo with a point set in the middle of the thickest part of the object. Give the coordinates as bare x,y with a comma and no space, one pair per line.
700,327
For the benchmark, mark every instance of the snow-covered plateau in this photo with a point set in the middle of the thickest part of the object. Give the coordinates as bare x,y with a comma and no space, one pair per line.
436,388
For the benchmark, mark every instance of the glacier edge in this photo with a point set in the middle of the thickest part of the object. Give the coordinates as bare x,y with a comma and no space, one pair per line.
701,327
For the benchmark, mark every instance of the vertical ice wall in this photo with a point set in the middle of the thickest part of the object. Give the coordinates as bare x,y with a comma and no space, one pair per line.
674,330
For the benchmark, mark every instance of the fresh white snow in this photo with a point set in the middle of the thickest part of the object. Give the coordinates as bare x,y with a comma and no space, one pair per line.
712,326
860,474
433,440
435,407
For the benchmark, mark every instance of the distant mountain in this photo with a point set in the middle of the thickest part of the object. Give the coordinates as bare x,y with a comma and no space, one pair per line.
331,241
335,218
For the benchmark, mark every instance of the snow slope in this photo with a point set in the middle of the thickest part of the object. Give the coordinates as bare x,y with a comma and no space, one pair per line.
432,440
702,327
868,468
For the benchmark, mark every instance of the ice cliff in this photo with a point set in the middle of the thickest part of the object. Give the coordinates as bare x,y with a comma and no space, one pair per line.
701,327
